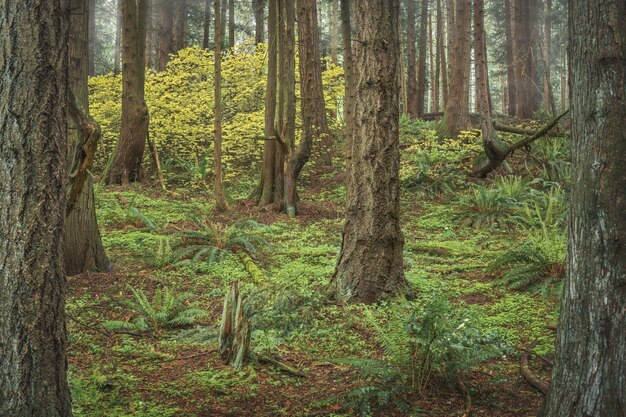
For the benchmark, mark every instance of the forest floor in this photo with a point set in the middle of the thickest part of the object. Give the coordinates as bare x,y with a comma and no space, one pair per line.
178,372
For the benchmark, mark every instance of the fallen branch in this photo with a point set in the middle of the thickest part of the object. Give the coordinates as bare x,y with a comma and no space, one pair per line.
280,365
468,399
540,386
157,163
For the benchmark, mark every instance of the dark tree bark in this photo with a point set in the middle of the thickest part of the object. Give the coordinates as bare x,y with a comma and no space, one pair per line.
149,35
127,159
421,69
165,31
207,24
179,33
314,125
268,177
91,24
223,15
259,20
370,263
348,70
83,245
588,378
456,117
511,88
411,57
33,153
218,183
231,23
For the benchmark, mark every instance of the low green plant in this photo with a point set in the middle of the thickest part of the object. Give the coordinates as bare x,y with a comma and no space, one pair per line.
166,310
485,207
420,340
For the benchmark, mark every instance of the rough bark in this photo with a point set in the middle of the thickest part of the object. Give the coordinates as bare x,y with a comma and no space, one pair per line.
83,245
218,182
421,66
128,156
370,262
149,35
270,146
179,33
526,94
411,56
91,25
348,70
117,53
231,23
33,152
165,31
456,117
589,374
314,125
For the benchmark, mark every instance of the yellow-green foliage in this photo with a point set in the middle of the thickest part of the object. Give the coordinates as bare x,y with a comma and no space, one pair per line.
180,102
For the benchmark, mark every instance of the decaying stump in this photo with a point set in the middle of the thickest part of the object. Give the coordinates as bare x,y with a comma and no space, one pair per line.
235,330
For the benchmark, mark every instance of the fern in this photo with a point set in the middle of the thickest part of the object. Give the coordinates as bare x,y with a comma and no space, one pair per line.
166,310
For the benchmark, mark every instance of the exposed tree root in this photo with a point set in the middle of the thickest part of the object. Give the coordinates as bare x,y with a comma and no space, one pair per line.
540,386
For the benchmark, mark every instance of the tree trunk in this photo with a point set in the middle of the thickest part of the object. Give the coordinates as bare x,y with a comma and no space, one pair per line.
117,54
33,152
441,52
548,96
421,79
314,125
231,24
434,70
165,33
223,15
149,35
348,100
259,20
83,245
218,184
524,64
511,88
128,155
91,25
207,24
334,30
456,117
270,146
179,36
413,106
588,378
370,262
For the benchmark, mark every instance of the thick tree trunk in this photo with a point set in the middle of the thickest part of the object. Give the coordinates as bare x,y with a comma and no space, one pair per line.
411,56
33,152
589,374
421,70
526,94
218,183
83,245
91,25
231,24
268,177
259,20
128,156
165,33
456,117
370,263
206,24
179,36
314,125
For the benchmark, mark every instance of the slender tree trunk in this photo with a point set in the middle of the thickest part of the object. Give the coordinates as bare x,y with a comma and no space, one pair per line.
334,30
348,69
402,80
33,152
117,54
434,70
259,20
92,37
421,80
456,117
165,32
314,125
207,24
231,24
588,377
179,37
268,177
128,156
149,35
564,101
441,52
223,16
524,63
218,184
370,263
83,245
548,97
511,87
411,91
